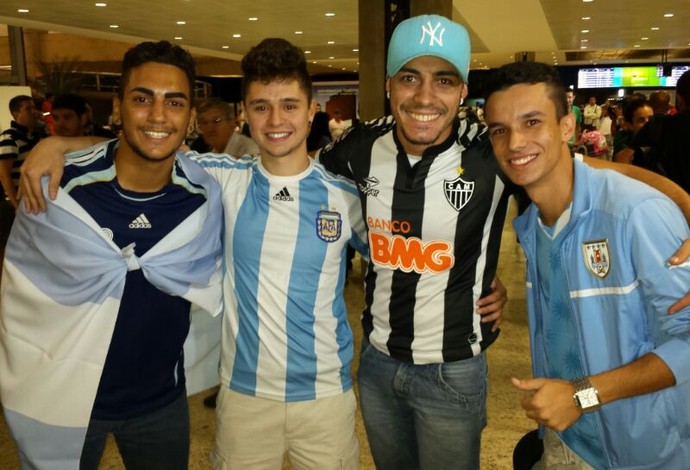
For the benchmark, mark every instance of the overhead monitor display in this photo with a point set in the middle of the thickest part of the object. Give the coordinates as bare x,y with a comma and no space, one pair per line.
676,72
628,77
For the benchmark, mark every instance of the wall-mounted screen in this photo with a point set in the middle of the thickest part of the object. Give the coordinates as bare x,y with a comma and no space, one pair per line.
628,77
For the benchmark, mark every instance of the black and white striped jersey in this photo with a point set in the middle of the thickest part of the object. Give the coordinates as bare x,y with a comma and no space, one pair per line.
15,144
434,233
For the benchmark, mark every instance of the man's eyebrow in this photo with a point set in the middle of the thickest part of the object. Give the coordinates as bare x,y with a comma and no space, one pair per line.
408,70
265,101
168,95
531,114
524,116
441,73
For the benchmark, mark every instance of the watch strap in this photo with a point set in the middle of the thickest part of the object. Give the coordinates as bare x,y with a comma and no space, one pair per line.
583,385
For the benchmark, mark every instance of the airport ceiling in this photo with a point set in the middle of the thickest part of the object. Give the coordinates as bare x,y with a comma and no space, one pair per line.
562,32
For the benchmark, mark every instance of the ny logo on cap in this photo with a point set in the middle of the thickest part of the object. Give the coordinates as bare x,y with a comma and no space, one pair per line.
431,32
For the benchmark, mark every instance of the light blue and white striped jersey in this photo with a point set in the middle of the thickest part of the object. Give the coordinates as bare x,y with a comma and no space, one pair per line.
285,331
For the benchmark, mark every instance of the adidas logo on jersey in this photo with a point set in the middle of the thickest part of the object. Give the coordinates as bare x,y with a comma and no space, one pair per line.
283,195
140,222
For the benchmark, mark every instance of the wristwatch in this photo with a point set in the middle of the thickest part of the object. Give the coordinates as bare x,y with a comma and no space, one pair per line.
586,396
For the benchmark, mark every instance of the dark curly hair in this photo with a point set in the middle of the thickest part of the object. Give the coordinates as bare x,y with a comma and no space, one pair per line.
275,59
162,52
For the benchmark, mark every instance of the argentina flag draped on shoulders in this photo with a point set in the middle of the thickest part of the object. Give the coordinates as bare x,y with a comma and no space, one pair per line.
62,283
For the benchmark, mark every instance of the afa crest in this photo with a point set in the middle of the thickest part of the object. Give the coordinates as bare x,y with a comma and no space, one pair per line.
597,257
458,192
329,226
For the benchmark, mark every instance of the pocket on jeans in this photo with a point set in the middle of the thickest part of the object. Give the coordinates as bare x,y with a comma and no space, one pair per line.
464,382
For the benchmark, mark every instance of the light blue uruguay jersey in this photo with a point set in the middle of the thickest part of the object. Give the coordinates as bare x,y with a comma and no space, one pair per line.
285,331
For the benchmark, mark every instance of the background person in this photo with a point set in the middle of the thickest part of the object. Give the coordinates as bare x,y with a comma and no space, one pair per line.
70,116
217,123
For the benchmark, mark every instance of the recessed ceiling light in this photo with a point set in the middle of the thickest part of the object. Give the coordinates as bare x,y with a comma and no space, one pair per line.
331,57
253,18
585,31
299,32
330,14
586,18
644,38
307,52
668,15
587,1
355,50
584,40
313,61
114,26
181,22
101,4
178,38
331,42
226,47
583,47
236,35
636,45
22,10
655,28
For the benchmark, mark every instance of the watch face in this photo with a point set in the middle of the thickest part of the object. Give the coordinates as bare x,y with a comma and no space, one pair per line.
588,398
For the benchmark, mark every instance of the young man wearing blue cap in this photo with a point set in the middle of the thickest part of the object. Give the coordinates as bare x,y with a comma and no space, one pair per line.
435,201
435,204
612,368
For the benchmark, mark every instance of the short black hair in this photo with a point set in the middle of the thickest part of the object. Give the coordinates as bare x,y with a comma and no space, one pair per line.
631,105
71,101
162,52
16,103
275,59
529,73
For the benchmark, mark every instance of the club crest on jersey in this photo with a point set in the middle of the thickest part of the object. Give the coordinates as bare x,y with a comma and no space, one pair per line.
597,257
328,226
458,192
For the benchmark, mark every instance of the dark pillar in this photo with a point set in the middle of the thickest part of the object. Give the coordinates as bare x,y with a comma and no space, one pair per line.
377,20
432,7
17,55
524,56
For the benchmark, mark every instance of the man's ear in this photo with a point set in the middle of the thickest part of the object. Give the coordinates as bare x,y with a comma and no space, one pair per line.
116,111
567,127
192,121
312,110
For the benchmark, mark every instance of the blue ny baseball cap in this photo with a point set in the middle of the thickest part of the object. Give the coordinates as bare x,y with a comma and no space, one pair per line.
432,35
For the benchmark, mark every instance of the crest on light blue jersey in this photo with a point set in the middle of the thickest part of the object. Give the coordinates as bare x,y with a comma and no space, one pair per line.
597,257
329,226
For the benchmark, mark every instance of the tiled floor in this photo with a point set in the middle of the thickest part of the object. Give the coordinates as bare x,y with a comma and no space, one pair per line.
509,356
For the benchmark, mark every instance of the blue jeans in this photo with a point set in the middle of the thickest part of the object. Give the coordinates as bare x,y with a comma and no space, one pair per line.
155,441
427,416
